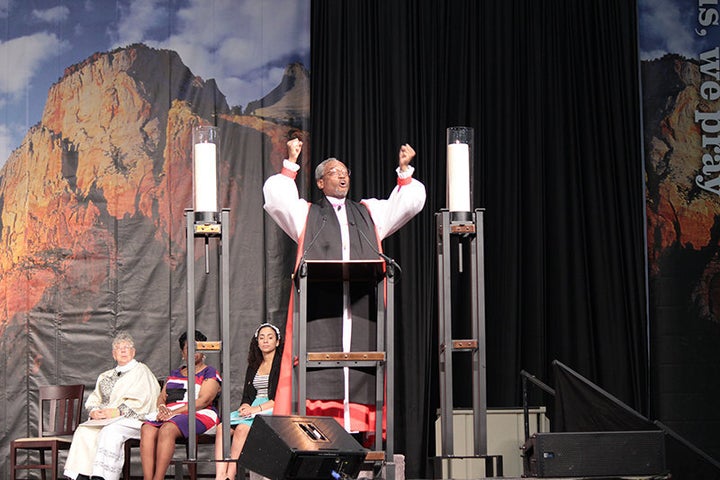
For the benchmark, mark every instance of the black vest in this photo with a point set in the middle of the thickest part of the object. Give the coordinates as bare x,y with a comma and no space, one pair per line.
322,241
322,232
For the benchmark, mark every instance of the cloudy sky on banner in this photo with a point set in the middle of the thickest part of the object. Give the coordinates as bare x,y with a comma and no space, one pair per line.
676,26
243,44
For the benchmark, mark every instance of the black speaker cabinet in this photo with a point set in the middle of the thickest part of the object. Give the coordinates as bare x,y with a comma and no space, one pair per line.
296,447
587,454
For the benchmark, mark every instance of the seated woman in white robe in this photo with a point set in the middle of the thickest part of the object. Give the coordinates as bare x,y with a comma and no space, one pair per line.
123,396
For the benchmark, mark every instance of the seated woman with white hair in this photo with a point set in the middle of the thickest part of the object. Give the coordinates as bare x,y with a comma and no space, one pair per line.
123,396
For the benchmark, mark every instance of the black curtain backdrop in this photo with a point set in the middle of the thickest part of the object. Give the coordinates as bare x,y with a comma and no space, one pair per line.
551,89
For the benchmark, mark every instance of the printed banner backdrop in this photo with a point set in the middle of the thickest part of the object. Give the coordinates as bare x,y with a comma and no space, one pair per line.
680,69
97,104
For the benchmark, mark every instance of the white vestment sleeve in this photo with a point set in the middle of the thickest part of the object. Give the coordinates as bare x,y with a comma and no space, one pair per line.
283,203
404,203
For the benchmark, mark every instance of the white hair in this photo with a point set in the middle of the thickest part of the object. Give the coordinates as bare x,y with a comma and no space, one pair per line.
123,337
320,169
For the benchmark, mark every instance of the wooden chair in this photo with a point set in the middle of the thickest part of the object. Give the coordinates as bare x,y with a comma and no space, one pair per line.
58,416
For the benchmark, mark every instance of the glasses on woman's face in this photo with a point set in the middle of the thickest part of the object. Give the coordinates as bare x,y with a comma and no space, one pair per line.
337,172
123,348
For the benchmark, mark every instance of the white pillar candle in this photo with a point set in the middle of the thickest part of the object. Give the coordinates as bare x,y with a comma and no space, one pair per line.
205,177
458,174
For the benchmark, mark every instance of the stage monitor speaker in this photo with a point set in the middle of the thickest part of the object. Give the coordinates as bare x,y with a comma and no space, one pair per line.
589,454
301,448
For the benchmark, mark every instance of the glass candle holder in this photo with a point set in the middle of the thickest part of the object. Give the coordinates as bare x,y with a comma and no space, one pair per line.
459,172
205,172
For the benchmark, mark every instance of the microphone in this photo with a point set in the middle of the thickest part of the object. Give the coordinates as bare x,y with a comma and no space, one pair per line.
309,246
392,263
119,373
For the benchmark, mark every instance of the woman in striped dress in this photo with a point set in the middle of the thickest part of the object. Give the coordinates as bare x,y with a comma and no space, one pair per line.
157,437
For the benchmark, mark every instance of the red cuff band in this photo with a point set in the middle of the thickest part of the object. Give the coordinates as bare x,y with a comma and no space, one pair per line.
404,181
288,173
